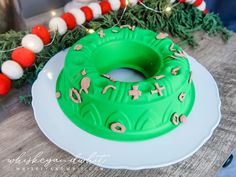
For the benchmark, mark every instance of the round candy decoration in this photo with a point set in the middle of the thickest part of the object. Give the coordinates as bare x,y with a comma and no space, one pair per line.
5,84
32,42
42,32
79,16
70,20
115,4
105,7
97,11
12,70
58,24
87,12
24,57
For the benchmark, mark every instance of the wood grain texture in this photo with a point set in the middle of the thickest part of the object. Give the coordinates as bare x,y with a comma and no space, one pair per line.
20,133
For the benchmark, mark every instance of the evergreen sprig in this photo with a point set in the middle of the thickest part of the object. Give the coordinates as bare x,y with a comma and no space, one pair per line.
181,22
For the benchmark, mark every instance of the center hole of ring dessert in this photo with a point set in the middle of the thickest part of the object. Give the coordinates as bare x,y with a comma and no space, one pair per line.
126,75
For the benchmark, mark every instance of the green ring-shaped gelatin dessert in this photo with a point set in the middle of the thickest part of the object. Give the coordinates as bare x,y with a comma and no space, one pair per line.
126,111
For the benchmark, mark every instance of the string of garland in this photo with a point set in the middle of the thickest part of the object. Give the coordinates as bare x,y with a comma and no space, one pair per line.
181,22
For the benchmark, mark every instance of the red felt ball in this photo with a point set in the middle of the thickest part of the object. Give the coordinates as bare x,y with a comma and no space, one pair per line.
105,7
197,2
205,11
5,84
70,20
42,32
88,12
23,57
123,3
139,1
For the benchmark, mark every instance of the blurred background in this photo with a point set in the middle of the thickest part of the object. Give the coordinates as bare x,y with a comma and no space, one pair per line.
23,14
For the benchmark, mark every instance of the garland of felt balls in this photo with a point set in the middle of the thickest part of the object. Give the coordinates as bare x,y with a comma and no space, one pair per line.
200,4
24,56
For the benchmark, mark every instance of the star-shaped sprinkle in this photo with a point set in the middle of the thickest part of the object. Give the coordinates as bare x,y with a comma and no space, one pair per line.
175,70
182,96
108,77
108,87
114,31
172,47
78,47
158,89
175,119
183,119
159,77
101,33
161,35
83,72
135,92
73,92
190,77
58,94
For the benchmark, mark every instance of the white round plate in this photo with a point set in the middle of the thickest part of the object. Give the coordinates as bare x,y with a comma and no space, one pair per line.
157,152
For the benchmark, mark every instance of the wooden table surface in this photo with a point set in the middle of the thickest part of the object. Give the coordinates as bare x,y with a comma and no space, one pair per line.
22,140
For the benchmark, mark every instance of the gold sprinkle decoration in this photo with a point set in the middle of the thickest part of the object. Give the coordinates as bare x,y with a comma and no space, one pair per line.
83,72
175,119
108,87
133,28
101,34
108,77
161,35
183,119
158,90
85,84
114,31
78,47
175,70
172,48
159,77
180,54
173,57
135,92
58,94
117,127
126,26
182,97
190,77
76,93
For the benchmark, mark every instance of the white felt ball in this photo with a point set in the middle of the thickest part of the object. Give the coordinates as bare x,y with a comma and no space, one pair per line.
32,42
58,24
79,15
12,70
97,11
133,2
202,6
172,1
115,4
190,1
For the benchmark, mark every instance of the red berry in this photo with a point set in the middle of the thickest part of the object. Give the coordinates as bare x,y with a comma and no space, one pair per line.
123,3
70,20
42,32
197,2
23,57
88,12
5,84
205,11
105,7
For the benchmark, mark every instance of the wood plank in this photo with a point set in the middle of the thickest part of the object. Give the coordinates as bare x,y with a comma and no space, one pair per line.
20,133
